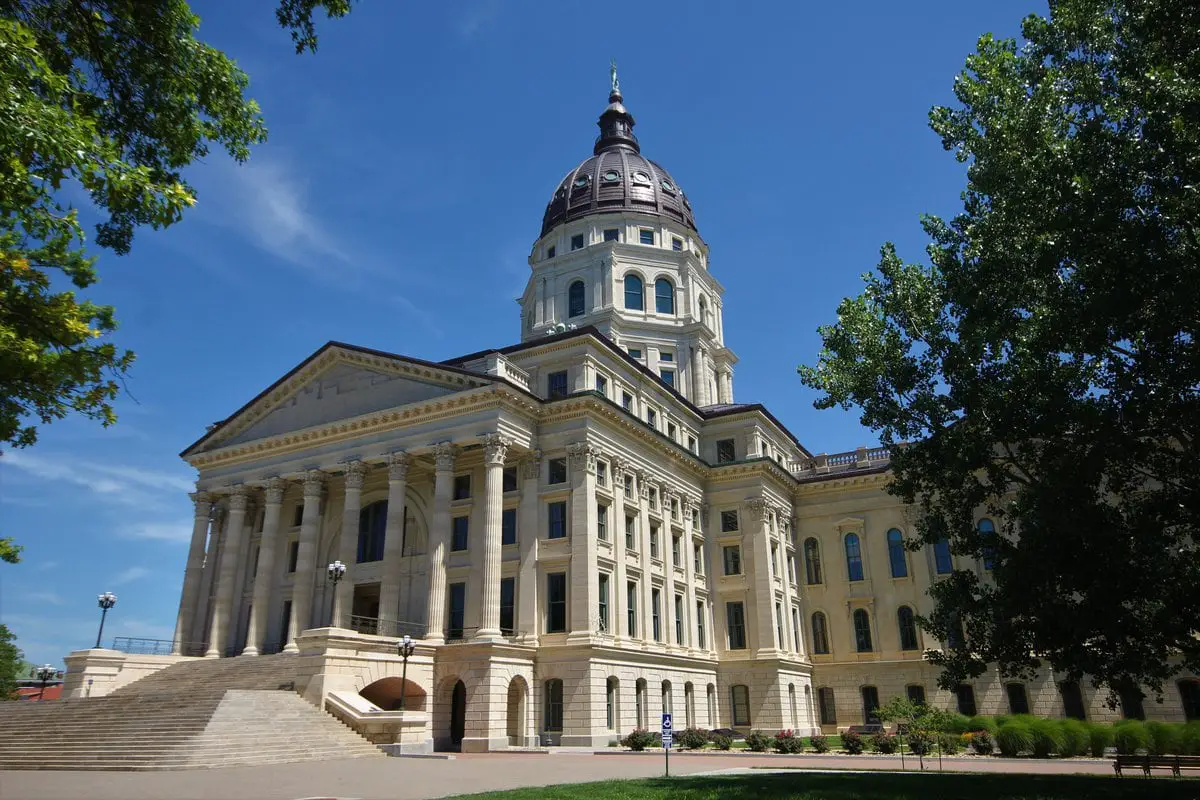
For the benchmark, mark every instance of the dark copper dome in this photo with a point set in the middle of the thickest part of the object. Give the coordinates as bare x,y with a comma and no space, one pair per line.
617,178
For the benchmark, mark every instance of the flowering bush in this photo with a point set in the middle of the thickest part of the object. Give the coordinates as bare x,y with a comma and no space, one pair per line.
852,742
758,742
919,743
691,738
885,743
640,739
788,742
819,743
981,742
721,741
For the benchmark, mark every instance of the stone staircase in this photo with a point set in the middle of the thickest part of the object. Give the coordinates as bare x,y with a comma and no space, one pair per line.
203,713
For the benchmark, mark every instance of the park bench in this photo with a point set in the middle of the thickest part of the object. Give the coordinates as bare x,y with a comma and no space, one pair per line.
865,730
1146,763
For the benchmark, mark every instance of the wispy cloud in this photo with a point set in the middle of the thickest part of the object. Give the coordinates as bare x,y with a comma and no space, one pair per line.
113,483
130,574
49,598
179,531
478,16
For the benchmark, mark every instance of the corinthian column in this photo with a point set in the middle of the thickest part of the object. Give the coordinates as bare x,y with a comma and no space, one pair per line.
223,609
439,535
193,572
306,558
356,472
393,541
495,451
265,572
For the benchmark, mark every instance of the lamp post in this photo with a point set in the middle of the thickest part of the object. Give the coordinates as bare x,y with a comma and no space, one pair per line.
45,672
107,601
406,648
337,571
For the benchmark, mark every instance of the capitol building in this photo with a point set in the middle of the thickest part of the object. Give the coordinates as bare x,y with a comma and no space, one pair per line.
579,531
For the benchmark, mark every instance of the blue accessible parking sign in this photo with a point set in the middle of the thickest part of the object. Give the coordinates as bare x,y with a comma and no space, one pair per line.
667,734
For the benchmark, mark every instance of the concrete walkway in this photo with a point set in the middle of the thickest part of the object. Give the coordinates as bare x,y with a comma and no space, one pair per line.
402,778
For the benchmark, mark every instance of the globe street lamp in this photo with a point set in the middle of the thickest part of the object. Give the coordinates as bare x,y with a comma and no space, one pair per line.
44,673
337,571
107,601
405,648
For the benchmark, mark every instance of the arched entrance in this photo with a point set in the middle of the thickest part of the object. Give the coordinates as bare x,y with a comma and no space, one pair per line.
458,714
516,726
395,694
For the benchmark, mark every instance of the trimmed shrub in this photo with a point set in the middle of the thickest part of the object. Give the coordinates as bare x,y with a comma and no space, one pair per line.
1014,738
819,743
758,742
788,742
1075,738
958,724
919,743
1129,736
721,741
950,743
1047,738
640,739
852,743
1099,737
1189,739
982,723
885,743
1164,738
691,738
982,742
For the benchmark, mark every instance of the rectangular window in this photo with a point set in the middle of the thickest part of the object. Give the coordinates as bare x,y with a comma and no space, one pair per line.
668,377
509,479
508,596
666,355
298,516
733,559
462,487
627,401
675,509
458,610
631,606
556,384
602,384
556,602
729,521
628,487
796,629
508,526
653,540
692,443
791,562
671,431
556,471
458,538
602,473
725,452
775,559
700,624
677,551
679,638
612,234
916,693
653,494
630,533
697,559
735,619
557,513
603,599
646,236
652,418
293,554
655,618
550,251
676,244
740,696
577,241
602,523
635,353
780,643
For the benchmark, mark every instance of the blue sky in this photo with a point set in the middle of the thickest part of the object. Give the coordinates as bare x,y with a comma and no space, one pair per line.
395,204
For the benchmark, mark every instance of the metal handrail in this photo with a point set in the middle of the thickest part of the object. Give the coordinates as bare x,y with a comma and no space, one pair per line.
152,647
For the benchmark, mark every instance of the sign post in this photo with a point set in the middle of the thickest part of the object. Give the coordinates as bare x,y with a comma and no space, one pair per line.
667,737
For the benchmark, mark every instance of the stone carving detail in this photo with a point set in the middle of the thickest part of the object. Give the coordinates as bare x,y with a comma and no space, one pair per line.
444,455
532,467
239,498
398,466
314,483
203,502
583,456
756,507
274,491
356,473
643,481
618,466
495,449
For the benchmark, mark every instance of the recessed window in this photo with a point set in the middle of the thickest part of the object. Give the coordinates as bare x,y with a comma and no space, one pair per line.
508,526
700,624
634,299
652,418
582,181
735,618
611,176
635,352
964,693
987,534
908,629
1018,700
297,516
679,637
666,355
628,486
646,235
1072,697
862,633
896,557
458,610
462,487
653,494
508,606
729,521
692,443
725,451
820,634
916,693
666,184
655,613
509,479
664,296
825,701
458,539
372,529
641,178
942,561
668,377
602,384
556,471
550,251
732,556
612,235
677,551
556,602
556,384
602,523
631,606
575,299
740,696
676,244
698,559
854,564
603,603
293,555
627,401
671,430
557,520
630,532
653,540
577,241
602,473
812,561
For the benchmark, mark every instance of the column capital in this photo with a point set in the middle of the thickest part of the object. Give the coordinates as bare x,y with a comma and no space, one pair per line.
532,466
618,466
314,483
444,455
398,465
274,491
643,479
203,502
583,455
239,497
356,473
757,508
495,449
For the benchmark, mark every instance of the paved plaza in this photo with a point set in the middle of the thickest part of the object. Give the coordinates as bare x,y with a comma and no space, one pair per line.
403,778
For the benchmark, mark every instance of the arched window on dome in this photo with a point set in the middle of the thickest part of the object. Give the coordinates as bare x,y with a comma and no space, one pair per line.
575,301
664,296
634,293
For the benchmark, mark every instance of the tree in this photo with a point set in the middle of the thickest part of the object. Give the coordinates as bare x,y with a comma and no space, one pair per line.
12,664
1043,365
920,723
113,99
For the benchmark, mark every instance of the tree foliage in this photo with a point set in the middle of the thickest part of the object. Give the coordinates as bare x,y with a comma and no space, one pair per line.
1042,367
12,664
113,100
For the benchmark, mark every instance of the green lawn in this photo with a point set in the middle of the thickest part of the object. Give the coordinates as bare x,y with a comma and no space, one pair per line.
869,786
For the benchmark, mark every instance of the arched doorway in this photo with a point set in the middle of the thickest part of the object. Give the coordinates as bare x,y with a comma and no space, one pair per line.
458,714
516,727
395,694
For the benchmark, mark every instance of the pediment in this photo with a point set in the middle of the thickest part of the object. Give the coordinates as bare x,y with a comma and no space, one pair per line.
333,385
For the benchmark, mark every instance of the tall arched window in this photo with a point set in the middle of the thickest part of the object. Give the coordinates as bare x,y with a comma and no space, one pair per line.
820,633
964,693
870,703
987,535
664,296
1072,697
862,630
827,706
1018,699
908,628
640,698
740,697
854,565
634,295
812,561
372,525
711,692
575,299
896,557
792,703
611,687
554,705
942,563
689,704
667,699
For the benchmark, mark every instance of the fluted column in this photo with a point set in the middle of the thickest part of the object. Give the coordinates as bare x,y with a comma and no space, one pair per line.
306,558
494,453
527,540
439,535
193,572
265,573
585,577
226,573
356,472
208,579
393,539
